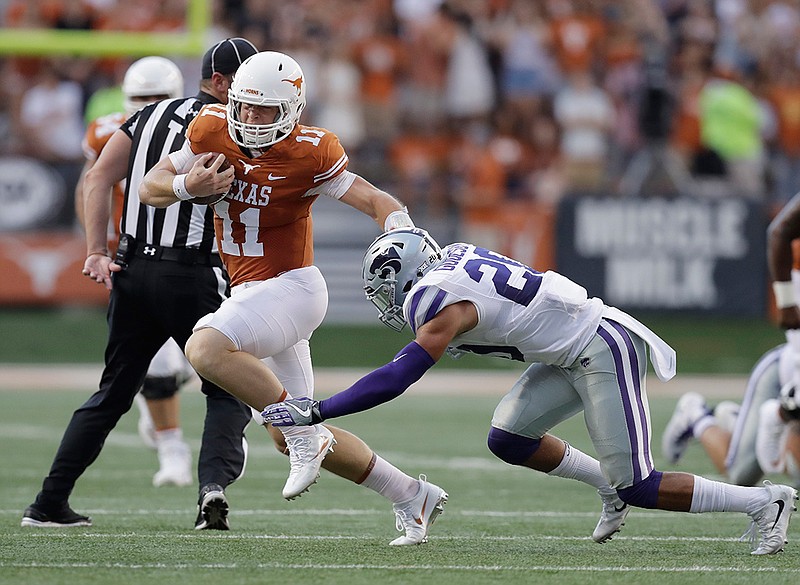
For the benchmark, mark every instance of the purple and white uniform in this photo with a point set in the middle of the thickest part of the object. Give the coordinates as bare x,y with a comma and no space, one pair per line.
585,355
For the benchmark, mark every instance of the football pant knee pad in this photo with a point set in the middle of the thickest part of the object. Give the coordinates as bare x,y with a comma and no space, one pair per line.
511,448
159,387
643,494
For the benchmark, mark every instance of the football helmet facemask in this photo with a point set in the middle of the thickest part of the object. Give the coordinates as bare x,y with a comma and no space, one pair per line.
394,263
150,77
266,79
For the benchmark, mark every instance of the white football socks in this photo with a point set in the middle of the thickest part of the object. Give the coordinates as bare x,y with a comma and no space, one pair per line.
716,496
578,465
390,482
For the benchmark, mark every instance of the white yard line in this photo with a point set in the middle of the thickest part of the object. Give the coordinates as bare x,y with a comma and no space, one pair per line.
85,377
407,567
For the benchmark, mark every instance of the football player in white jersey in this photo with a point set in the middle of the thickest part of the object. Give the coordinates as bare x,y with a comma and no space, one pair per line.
761,435
583,356
745,441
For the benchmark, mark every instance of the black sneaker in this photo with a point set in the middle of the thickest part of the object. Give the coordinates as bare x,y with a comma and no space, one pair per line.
213,513
64,517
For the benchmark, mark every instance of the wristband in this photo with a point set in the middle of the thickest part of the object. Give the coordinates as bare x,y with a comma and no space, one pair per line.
398,219
784,294
179,188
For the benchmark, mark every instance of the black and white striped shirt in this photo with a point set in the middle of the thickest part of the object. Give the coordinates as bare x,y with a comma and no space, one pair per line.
156,131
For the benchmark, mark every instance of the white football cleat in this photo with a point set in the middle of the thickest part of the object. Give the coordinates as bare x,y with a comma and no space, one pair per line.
612,518
175,461
771,521
306,453
690,409
415,516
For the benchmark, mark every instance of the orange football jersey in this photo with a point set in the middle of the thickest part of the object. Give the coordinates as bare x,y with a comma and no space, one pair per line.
97,136
263,226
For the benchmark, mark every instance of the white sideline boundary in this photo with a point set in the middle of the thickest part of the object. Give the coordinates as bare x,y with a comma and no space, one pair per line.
427,568
85,377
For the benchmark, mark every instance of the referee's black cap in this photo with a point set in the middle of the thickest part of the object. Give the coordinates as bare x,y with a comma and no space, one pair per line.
226,56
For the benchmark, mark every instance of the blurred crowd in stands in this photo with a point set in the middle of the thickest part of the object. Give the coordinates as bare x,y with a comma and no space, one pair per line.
469,103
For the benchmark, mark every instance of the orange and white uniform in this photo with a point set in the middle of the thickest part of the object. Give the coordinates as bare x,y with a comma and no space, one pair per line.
97,135
263,226
264,233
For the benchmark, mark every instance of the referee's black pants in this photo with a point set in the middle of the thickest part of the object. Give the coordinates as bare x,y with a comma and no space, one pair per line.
150,302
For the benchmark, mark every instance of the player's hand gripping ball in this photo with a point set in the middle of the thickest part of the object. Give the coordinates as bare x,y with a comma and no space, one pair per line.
222,166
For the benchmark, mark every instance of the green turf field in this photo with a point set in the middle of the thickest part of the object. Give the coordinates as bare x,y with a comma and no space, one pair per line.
501,525
715,345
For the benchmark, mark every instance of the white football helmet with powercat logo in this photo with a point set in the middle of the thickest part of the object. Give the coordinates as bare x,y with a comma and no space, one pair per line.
394,263
266,79
148,78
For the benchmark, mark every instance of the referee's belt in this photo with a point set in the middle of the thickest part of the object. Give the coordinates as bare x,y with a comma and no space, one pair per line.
180,255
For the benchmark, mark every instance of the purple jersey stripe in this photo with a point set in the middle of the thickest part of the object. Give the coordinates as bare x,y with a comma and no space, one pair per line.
435,305
412,312
637,384
629,420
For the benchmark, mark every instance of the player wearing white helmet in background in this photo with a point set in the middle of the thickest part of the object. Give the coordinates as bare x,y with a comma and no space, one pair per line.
165,275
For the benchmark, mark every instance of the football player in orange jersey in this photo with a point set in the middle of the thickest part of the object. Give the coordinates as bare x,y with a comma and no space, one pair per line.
146,81
256,344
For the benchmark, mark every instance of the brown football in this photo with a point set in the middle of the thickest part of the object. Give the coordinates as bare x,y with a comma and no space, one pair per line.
217,197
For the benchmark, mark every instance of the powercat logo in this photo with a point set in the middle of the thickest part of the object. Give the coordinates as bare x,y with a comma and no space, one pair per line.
386,263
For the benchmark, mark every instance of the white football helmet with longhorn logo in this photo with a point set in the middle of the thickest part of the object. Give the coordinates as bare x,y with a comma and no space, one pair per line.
266,79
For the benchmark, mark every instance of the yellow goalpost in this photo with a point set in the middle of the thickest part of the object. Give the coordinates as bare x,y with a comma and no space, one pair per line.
91,43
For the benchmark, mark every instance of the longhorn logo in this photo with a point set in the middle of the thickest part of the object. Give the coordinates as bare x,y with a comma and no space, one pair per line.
248,167
43,265
297,83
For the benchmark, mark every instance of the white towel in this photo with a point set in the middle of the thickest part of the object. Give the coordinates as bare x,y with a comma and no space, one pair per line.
662,356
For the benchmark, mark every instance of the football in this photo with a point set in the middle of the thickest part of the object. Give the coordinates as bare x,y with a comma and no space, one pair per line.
217,197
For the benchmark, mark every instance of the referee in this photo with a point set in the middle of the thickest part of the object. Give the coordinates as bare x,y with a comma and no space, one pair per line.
166,275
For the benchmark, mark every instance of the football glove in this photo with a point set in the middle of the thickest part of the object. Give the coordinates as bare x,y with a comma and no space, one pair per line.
293,412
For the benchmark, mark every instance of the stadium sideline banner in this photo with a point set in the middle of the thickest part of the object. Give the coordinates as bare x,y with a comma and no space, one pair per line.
667,254
43,268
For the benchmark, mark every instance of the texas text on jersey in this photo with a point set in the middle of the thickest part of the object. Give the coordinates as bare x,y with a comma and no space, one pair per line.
263,227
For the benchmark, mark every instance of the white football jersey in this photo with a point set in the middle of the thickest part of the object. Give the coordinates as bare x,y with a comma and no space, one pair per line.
523,314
